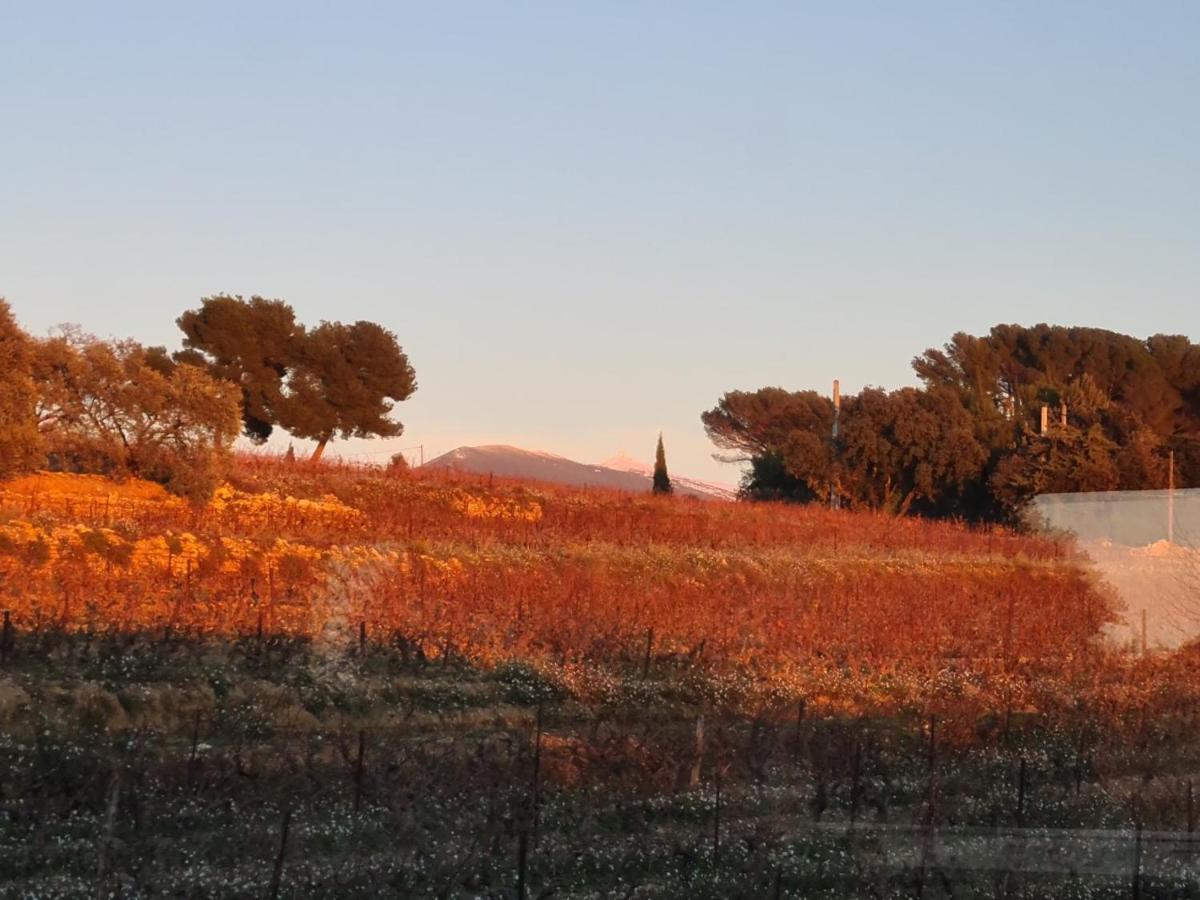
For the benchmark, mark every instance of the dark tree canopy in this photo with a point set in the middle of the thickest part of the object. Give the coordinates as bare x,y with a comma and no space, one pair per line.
344,381
906,447
332,380
969,442
116,407
249,342
752,423
769,478
784,435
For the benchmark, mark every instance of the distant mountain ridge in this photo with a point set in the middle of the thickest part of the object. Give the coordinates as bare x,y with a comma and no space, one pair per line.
620,473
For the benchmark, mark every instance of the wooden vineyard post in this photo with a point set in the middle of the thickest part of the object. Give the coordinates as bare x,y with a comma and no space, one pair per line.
1171,499
697,754
522,865
855,781
6,638
191,776
110,826
1191,810
717,821
1021,795
1008,631
358,771
536,781
928,836
1079,762
1137,862
932,744
800,727
277,874
835,437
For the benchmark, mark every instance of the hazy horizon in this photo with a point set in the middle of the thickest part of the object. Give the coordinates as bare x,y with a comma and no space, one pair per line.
586,224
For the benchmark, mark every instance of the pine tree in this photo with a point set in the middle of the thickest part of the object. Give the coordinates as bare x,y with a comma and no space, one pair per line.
662,481
343,381
314,383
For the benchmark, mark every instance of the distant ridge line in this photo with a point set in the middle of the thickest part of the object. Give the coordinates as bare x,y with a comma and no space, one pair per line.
506,461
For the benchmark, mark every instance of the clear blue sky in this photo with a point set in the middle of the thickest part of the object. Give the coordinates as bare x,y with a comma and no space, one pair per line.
587,221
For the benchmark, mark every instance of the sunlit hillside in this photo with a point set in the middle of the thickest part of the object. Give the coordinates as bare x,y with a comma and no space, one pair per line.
486,572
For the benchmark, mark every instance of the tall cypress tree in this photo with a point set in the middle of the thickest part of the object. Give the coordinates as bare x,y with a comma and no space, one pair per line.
662,481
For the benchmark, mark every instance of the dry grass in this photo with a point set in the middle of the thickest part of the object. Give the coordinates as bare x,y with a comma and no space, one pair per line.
583,580
497,570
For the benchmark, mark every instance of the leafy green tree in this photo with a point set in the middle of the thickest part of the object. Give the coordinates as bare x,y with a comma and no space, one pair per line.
969,443
784,435
344,381
662,481
1154,380
319,383
808,466
750,423
769,478
897,450
1065,460
251,343
906,448
1133,400
117,409
20,443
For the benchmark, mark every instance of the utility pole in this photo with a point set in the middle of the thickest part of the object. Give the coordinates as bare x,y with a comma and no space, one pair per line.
1171,497
834,500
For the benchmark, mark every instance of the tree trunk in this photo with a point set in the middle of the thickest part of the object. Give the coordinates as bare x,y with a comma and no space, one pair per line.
319,452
